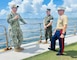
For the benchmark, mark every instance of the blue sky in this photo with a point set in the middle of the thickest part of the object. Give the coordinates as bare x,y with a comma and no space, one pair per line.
37,7
57,2
4,3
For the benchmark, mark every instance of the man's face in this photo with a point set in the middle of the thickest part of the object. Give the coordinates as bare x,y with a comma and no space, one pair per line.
14,9
60,12
48,12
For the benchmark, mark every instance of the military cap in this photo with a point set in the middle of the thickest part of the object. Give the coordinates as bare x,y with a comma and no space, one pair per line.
61,8
14,5
48,9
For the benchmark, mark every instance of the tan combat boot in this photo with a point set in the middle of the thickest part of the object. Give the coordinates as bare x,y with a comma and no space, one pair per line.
17,50
39,41
45,42
21,48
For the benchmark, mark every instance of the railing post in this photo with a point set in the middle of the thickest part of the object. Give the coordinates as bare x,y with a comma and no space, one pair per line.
75,29
10,38
6,36
40,34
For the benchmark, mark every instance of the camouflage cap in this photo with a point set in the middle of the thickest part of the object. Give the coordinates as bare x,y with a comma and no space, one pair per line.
14,5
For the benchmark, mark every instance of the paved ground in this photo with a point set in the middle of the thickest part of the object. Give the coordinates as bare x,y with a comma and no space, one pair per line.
32,49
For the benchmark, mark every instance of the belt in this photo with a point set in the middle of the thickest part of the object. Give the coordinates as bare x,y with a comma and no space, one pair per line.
59,29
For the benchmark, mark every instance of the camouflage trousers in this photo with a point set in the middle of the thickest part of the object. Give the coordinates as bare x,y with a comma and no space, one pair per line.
17,38
48,33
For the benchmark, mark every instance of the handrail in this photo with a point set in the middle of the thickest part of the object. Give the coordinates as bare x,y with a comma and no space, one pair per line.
6,36
32,23
40,29
31,30
31,37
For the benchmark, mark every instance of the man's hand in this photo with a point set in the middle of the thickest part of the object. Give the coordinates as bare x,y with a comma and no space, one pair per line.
45,27
54,32
16,17
61,36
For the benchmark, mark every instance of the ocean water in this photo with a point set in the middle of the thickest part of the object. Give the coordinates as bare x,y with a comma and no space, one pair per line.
32,24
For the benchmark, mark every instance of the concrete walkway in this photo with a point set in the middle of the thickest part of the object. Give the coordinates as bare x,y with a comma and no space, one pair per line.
32,49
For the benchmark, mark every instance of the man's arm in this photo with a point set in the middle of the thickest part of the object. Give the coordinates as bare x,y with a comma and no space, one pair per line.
50,23
64,29
51,20
65,24
10,19
44,24
21,19
63,32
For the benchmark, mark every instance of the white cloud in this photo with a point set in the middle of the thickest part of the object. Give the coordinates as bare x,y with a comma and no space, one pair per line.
52,6
71,8
3,12
68,9
25,7
71,5
36,8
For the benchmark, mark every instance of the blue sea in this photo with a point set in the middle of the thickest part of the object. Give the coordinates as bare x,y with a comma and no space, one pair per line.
32,24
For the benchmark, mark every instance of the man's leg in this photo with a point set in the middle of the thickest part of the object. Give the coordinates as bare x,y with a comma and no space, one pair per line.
15,40
61,45
15,43
50,34
53,41
20,39
62,40
46,36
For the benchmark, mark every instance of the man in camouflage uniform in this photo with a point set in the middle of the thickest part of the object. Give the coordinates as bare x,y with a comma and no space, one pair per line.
48,25
13,19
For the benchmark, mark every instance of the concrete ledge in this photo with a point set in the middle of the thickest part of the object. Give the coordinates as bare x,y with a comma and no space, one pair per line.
32,49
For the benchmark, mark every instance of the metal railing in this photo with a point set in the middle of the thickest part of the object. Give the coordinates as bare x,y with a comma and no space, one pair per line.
74,31
40,29
35,30
6,37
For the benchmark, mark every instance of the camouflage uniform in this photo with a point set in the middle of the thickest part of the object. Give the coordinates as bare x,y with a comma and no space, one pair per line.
48,31
17,36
